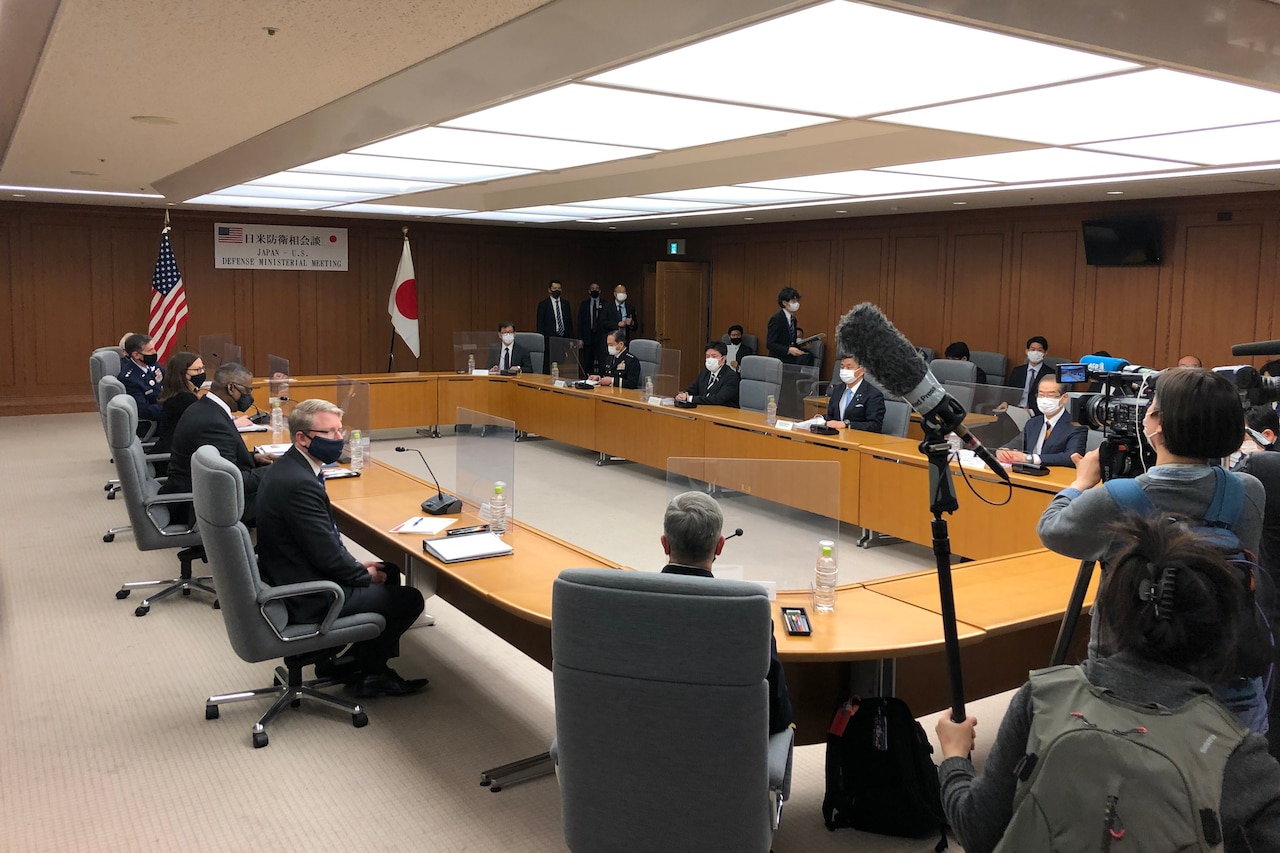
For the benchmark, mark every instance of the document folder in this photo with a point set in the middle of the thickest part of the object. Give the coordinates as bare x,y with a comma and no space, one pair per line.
458,549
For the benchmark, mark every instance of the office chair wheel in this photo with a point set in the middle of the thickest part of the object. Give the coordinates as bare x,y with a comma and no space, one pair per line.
493,789
107,487
123,593
211,712
485,781
360,719
142,610
108,537
111,496
186,590
217,604
259,740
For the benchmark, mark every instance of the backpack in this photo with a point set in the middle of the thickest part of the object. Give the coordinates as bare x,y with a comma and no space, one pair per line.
880,774
1099,771
1248,696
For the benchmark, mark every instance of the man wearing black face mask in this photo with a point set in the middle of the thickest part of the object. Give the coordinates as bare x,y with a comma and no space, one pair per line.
298,541
209,420
591,331
738,348
141,376
555,320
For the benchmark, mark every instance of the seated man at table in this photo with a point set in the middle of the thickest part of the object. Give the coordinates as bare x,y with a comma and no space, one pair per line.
621,368
959,351
141,377
507,354
857,404
691,540
1050,438
298,541
738,348
209,421
717,382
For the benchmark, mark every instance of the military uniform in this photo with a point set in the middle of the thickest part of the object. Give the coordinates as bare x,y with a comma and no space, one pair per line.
624,368
143,384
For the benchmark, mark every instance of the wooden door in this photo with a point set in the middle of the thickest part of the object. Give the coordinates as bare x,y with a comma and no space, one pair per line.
678,290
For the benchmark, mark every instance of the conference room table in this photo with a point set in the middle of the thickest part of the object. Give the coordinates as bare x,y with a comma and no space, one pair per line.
1009,602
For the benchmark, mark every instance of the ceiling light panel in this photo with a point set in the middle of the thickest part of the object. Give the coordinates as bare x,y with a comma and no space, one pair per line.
867,182
1041,164
621,117
1250,143
498,149
408,169
327,196
399,209
1144,103
851,60
252,201
642,203
345,183
569,210
507,216
739,195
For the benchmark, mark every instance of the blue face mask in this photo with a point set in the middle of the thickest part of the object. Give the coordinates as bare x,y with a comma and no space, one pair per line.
325,450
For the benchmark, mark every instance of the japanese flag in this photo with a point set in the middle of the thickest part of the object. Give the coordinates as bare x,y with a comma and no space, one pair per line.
403,305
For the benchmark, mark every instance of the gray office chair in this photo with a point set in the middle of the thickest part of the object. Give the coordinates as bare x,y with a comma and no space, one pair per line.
254,613
946,370
148,509
926,353
994,364
662,713
537,347
104,361
750,340
897,417
1093,439
650,355
1052,361
761,378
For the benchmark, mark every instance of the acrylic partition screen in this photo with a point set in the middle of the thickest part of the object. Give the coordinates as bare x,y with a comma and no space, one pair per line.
486,455
278,379
569,356
353,399
797,383
785,508
217,350
477,347
994,416
667,381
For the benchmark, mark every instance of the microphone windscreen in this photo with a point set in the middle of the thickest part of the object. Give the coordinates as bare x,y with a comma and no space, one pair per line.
887,355
1257,348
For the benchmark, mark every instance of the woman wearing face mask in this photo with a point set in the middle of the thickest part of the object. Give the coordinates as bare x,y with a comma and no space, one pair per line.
783,330
183,377
1050,438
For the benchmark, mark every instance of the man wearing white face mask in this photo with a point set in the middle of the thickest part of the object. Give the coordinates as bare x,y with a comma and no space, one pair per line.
717,383
621,368
857,404
507,355
1027,376
620,314
1050,438
783,331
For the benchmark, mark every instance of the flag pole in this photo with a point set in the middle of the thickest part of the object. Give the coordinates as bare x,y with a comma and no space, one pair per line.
391,351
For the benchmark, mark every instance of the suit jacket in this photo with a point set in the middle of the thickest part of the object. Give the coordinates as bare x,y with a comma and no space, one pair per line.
780,338
1018,379
546,319
780,715
744,350
611,315
520,357
205,422
143,385
865,411
723,393
297,540
1265,465
1065,439
625,369
171,411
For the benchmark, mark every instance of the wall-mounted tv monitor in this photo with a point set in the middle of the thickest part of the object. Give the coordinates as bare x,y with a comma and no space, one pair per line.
1122,242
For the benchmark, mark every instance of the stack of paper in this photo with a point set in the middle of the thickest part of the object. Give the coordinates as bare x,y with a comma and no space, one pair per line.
470,546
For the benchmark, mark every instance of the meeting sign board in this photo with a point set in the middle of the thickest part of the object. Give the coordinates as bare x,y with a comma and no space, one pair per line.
237,245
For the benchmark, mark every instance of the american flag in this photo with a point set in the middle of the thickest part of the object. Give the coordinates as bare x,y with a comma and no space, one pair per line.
230,234
168,301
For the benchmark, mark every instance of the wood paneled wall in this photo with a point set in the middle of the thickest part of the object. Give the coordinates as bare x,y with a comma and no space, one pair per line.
72,278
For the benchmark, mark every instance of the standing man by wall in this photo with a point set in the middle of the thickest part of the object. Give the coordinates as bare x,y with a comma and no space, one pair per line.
591,330
553,321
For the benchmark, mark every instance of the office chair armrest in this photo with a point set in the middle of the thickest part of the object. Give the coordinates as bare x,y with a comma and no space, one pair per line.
780,756
157,457
293,590
161,500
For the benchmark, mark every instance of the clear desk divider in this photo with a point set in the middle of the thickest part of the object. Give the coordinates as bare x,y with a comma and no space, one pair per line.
353,399
569,356
785,508
667,381
475,351
989,407
278,379
798,382
486,456
214,351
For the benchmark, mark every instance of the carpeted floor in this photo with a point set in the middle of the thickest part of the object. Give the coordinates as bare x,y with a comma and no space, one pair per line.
105,742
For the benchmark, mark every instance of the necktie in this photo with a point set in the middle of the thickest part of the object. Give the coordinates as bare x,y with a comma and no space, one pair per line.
555,303
506,358
1031,378
848,398
595,311
712,381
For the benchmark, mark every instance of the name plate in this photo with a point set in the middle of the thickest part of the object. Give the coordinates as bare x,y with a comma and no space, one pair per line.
785,425
654,401
560,383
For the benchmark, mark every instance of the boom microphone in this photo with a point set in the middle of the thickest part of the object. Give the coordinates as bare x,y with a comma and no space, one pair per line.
736,532
897,368
441,504
1257,348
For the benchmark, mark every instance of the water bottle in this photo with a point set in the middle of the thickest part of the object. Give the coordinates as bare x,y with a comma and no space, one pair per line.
277,423
471,364
555,372
357,452
771,412
825,576
648,387
498,509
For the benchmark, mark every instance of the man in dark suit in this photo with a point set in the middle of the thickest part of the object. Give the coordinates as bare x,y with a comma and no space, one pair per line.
783,332
691,540
621,316
298,541
209,420
621,368
717,382
1050,438
591,330
857,404
506,354
959,351
554,320
738,347
1027,375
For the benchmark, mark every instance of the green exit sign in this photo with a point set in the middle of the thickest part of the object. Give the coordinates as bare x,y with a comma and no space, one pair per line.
675,247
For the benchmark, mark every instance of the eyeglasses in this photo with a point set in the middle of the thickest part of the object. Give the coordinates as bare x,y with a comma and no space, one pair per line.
336,432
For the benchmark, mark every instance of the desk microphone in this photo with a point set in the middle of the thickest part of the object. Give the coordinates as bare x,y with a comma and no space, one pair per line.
441,504
736,532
